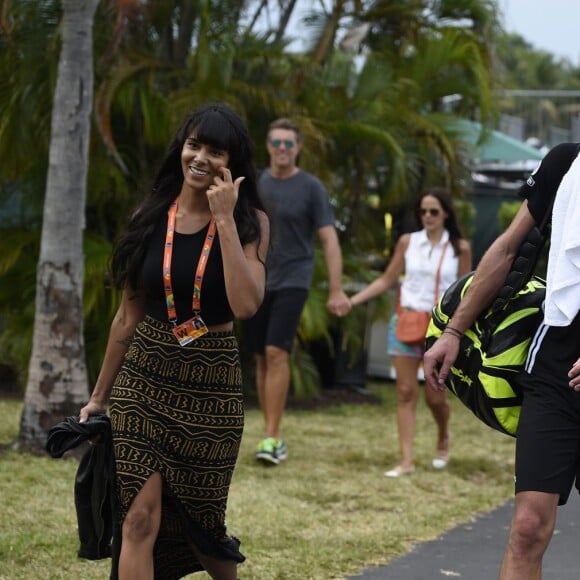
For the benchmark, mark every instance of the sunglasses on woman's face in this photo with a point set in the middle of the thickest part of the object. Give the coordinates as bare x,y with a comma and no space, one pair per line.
288,143
432,211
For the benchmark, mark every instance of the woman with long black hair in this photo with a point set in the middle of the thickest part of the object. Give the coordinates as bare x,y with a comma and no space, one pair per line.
190,261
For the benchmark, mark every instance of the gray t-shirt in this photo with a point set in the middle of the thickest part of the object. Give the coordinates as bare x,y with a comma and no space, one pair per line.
298,207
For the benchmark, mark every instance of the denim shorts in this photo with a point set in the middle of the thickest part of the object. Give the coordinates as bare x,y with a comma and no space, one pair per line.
397,348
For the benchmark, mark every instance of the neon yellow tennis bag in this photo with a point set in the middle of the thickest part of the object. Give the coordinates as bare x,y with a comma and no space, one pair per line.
492,351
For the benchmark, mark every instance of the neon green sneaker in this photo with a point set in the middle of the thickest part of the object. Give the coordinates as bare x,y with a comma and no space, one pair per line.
271,451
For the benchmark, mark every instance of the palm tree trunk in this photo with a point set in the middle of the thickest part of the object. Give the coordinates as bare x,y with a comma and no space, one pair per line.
284,20
324,45
57,377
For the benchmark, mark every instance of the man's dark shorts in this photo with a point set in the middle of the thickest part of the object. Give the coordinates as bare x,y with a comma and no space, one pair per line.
548,437
276,322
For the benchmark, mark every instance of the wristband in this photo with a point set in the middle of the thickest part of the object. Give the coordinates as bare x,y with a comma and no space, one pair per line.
453,331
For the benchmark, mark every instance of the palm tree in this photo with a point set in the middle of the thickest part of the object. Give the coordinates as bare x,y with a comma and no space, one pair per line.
149,73
57,377
383,123
386,123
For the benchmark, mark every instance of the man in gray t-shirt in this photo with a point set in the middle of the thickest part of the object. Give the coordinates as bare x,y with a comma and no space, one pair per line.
299,208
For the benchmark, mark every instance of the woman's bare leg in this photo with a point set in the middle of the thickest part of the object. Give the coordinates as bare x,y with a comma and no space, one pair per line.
217,569
437,402
407,395
139,532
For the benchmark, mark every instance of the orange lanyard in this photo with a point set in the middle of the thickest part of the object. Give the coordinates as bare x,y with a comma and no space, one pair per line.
201,264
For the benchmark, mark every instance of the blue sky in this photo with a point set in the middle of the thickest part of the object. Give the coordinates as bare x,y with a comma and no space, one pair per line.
552,25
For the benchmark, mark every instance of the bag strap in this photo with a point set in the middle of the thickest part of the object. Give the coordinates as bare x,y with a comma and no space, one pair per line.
438,273
525,261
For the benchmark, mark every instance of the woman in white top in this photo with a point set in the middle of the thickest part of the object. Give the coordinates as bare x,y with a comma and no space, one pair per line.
417,255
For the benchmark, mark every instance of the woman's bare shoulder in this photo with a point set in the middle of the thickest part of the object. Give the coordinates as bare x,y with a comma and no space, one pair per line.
464,245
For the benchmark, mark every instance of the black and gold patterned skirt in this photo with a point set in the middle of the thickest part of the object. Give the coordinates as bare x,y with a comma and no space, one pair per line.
179,411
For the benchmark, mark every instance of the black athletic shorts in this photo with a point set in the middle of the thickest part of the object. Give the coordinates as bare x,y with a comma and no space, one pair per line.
548,437
276,322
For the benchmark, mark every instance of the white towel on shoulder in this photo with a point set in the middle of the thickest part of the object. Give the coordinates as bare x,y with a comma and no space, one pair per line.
563,278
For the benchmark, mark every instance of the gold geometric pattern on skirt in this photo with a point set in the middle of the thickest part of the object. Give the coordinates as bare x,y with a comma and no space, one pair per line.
179,411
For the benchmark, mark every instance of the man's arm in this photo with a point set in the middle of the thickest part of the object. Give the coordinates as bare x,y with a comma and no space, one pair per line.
488,280
337,302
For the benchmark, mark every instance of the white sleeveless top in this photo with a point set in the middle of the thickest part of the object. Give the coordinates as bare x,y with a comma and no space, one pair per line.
421,261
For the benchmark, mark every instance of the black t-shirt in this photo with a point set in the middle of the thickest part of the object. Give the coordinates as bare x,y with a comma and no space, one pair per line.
215,308
554,349
541,186
298,207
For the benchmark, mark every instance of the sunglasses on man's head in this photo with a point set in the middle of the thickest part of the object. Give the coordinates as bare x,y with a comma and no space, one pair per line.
432,211
288,143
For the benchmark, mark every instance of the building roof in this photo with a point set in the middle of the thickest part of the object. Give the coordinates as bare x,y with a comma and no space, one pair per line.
493,148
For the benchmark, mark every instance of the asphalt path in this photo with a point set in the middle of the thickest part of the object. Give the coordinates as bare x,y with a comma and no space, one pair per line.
474,550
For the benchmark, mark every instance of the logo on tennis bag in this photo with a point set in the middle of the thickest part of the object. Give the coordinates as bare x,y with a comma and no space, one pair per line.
492,351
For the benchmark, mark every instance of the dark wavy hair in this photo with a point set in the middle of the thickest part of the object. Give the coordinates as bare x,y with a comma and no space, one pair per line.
217,125
451,225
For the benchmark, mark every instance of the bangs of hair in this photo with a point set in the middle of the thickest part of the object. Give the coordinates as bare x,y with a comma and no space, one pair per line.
214,129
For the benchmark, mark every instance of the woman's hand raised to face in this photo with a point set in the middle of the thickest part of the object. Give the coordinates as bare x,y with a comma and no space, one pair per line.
223,194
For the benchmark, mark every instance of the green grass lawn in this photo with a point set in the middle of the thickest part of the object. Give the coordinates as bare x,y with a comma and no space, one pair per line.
326,513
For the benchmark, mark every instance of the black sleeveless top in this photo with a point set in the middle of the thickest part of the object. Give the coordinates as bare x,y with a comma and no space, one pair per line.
215,308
